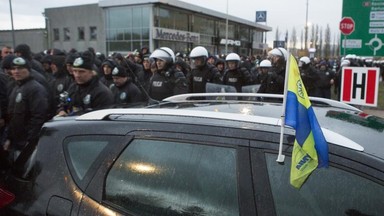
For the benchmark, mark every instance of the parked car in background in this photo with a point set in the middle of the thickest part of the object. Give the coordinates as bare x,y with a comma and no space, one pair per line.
198,154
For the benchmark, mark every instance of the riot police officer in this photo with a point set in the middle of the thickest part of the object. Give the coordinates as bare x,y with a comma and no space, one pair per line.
235,75
202,72
308,75
167,81
327,79
277,76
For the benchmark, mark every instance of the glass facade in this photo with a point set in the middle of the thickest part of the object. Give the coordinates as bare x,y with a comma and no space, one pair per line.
129,28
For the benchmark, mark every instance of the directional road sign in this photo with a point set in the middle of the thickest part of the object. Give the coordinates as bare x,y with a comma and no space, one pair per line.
367,38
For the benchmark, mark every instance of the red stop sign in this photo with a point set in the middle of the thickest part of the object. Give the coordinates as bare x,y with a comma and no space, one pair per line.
347,25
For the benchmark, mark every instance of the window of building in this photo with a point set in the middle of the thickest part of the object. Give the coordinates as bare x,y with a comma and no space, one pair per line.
193,180
171,19
127,27
56,34
346,192
81,33
203,25
93,33
244,34
67,34
222,30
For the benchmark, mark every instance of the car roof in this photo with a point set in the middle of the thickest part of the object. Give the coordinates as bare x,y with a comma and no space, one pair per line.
213,115
342,124
341,118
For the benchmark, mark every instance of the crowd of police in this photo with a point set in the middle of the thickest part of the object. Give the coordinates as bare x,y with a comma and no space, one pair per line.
35,87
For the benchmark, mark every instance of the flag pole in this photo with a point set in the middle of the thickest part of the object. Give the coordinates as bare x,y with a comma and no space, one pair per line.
281,157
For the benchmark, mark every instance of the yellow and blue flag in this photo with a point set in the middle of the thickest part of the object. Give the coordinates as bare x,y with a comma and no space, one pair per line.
310,149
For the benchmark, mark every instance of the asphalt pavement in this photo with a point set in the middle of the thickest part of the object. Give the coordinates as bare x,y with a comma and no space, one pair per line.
375,112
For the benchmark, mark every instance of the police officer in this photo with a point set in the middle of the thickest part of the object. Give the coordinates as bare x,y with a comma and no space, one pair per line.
124,90
61,80
106,67
167,81
3,105
7,64
23,50
326,80
144,76
308,75
277,76
235,75
88,93
69,59
27,108
262,74
202,72
220,65
338,77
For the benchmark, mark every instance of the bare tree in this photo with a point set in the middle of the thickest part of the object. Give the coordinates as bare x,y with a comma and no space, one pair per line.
320,47
316,37
337,50
293,41
327,42
302,40
277,34
313,37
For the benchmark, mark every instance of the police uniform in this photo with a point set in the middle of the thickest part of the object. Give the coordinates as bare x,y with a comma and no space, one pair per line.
310,77
61,80
324,83
106,79
88,96
199,77
272,83
126,94
27,112
167,83
238,78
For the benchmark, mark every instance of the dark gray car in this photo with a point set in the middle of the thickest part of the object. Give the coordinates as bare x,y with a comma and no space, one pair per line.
199,157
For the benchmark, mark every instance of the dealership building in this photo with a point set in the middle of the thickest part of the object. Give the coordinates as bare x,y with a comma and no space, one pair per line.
124,26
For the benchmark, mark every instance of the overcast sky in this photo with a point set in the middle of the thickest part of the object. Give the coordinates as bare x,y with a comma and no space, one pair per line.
282,14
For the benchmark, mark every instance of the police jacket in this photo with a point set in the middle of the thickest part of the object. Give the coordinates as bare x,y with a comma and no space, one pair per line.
144,77
237,78
126,94
167,83
198,77
325,78
27,110
107,80
86,97
272,83
43,81
3,94
60,83
310,78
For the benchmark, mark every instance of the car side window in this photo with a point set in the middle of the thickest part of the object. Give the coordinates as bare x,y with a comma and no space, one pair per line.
328,191
83,151
172,178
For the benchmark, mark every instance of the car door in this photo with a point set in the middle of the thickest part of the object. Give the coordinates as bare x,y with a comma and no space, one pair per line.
183,173
351,185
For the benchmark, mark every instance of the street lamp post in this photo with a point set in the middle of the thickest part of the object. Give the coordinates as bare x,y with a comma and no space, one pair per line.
13,30
226,32
47,29
306,29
